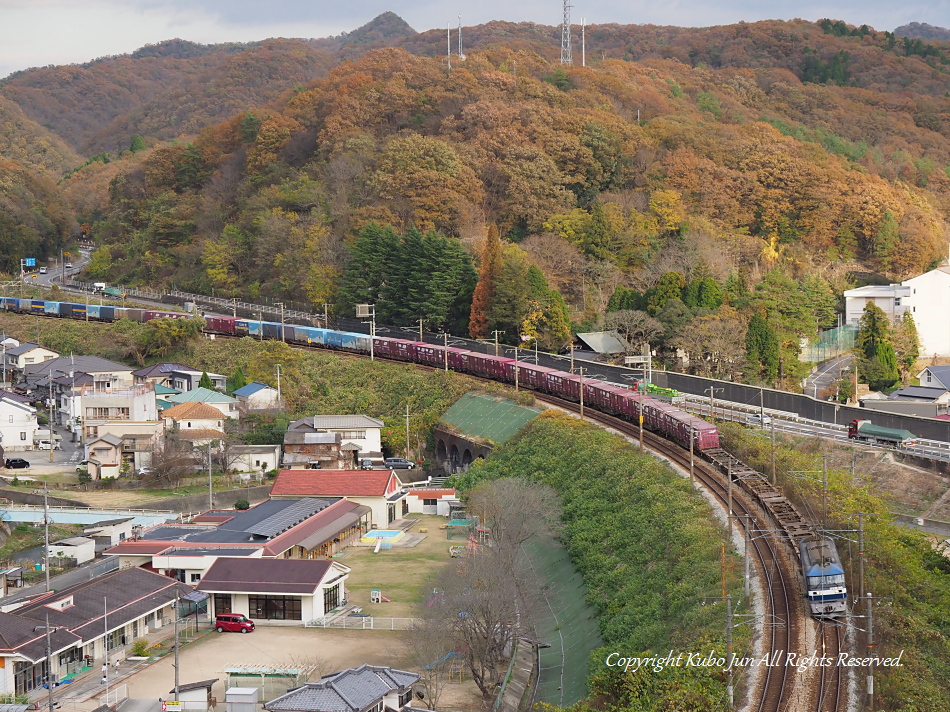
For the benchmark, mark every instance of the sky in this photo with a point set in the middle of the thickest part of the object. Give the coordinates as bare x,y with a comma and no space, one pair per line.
36,33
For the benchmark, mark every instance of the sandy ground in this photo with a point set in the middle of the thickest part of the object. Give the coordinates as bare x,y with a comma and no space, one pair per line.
331,650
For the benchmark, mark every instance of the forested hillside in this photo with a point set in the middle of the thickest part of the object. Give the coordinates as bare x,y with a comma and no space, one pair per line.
682,183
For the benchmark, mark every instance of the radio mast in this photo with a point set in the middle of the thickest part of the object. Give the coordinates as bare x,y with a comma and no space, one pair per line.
566,34
448,44
461,55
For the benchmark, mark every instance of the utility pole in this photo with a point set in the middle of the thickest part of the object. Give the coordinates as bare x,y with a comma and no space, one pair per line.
572,356
762,406
448,43
326,315
278,386
461,56
861,517
712,400
407,430
177,598
692,438
281,305
105,643
445,350
640,412
581,372
583,42
46,532
496,334
773,452
729,686
729,477
870,679
516,369
745,553
210,481
49,666
368,311
420,331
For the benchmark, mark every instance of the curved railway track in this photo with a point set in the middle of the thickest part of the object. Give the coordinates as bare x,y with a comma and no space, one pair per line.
831,692
782,604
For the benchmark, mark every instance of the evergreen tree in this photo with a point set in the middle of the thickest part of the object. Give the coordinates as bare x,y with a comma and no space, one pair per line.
670,286
137,144
596,238
709,294
762,347
484,295
205,381
873,330
906,343
877,362
238,380
887,239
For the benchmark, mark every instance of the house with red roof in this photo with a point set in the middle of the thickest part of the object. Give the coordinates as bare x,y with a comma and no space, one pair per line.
380,490
431,500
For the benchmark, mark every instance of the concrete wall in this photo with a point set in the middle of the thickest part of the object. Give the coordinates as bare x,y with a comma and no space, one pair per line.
199,502
27,497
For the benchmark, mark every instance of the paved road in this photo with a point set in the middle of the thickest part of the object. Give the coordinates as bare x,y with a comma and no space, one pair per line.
826,374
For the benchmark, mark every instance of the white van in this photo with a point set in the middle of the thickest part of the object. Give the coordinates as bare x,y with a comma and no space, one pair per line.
45,445
42,270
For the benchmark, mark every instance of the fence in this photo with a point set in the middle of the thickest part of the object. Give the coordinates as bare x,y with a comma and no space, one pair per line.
115,695
831,343
364,623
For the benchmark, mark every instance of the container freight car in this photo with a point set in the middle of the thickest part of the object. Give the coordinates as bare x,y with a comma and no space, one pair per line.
868,432
220,324
529,375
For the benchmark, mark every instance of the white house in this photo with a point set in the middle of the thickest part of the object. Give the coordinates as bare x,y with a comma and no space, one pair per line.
80,548
380,490
891,298
431,500
27,354
929,302
195,421
257,396
18,425
109,532
227,405
254,458
368,687
360,430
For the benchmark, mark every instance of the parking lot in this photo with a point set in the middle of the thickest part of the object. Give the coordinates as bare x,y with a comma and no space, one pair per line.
63,461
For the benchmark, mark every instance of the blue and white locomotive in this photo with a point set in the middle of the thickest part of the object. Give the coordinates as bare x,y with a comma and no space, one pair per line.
824,577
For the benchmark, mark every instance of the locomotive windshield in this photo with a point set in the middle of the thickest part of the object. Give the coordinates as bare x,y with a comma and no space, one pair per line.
825,581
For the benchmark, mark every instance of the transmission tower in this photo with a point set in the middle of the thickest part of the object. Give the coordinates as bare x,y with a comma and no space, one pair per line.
566,34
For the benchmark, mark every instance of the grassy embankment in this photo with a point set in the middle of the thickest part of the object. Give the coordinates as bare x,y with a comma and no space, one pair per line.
648,550
912,580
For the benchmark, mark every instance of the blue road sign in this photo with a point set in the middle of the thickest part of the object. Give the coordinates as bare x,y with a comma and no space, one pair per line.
30,261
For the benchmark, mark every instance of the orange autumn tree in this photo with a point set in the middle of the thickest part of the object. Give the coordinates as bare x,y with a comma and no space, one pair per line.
485,289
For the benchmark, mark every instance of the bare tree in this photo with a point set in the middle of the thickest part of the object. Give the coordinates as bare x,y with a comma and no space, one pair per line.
432,653
716,341
173,460
637,327
515,509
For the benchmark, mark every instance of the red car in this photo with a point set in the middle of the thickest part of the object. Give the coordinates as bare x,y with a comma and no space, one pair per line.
233,623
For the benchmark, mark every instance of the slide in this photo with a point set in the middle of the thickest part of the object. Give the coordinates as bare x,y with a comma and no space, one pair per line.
385,599
379,543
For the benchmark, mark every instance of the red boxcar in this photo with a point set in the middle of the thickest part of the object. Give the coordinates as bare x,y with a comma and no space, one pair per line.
455,358
431,354
602,395
529,375
566,385
486,365
221,324
707,435
383,346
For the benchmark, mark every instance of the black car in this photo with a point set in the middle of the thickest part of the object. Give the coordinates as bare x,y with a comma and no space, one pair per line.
399,463
16,463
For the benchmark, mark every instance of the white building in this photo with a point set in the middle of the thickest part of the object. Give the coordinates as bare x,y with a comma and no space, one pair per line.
18,425
929,302
254,458
27,354
257,396
891,298
359,430
80,548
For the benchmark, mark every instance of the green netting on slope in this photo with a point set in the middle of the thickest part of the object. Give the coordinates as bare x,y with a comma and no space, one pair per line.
488,418
565,621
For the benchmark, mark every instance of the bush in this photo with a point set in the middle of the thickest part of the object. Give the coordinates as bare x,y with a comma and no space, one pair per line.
271,474
242,504
140,647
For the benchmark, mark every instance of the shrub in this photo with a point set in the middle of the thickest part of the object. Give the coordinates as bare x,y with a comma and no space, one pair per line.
242,504
140,647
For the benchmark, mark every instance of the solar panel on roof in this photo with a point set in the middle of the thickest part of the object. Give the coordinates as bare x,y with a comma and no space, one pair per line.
287,517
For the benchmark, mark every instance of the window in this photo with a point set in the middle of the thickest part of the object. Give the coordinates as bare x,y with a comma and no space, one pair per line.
195,578
331,598
29,360
405,698
929,377
281,608
353,434
430,502
116,639
11,418
22,436
897,301
222,603
189,424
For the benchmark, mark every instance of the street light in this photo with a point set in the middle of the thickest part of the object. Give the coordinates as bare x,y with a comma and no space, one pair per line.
368,311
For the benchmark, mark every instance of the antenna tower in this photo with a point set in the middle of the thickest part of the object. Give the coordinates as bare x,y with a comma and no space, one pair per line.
566,34
461,55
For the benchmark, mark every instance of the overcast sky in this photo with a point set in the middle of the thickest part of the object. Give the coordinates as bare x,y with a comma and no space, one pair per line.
40,32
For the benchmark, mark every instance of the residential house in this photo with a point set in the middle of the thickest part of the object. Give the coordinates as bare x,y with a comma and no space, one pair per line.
257,396
8,342
307,528
131,414
177,376
227,405
109,532
275,591
935,377
104,455
106,374
18,426
360,430
368,688
892,299
379,490
254,458
137,602
26,354
196,422
80,548
308,450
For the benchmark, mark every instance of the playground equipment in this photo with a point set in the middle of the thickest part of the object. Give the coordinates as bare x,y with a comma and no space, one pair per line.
376,596
438,596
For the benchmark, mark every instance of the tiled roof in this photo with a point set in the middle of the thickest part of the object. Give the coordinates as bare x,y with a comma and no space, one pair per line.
337,422
205,395
300,576
431,493
192,409
23,348
63,365
20,635
348,691
251,388
334,483
163,390
201,434
160,369
143,548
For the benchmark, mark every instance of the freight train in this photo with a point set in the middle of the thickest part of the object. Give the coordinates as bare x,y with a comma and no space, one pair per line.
657,415
824,577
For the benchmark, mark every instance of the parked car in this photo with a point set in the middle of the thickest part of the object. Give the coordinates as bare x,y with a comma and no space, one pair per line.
84,465
233,623
145,471
46,445
16,463
758,419
399,463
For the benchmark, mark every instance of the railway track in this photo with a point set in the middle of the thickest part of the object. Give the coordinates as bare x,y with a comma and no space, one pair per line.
779,574
831,693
